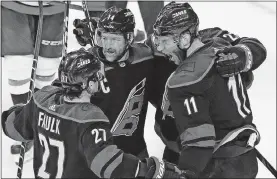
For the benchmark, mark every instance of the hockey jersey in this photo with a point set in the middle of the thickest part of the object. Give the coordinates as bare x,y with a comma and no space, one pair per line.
209,108
71,140
164,121
126,103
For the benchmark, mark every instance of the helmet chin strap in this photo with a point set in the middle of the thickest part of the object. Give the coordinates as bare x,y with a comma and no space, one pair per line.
123,53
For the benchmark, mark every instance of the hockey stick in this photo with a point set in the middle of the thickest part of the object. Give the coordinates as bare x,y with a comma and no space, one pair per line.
91,27
32,81
266,163
91,32
65,29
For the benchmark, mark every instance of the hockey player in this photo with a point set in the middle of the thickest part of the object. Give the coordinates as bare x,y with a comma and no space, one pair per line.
165,126
72,137
212,114
18,31
127,68
164,122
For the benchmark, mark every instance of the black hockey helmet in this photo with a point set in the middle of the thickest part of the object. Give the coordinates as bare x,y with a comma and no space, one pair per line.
117,20
176,18
77,67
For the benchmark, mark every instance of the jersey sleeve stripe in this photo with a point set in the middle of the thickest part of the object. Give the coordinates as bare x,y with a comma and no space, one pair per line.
112,165
102,158
201,136
108,68
67,117
159,54
234,133
143,59
11,130
201,142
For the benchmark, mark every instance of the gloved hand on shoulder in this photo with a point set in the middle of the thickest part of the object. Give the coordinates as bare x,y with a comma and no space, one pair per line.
234,60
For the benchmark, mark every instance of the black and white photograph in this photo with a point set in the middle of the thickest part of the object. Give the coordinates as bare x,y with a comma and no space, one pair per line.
138,89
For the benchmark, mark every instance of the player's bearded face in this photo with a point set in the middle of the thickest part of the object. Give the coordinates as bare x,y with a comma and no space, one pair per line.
169,46
113,45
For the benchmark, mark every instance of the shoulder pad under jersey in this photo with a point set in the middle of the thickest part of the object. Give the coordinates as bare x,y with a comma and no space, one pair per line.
87,112
45,92
80,112
32,7
209,33
193,69
140,52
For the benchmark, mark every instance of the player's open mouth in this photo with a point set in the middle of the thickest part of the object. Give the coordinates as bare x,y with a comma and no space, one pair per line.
110,53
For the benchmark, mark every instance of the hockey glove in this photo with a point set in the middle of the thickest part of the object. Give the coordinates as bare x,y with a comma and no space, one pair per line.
15,149
5,114
56,83
154,168
82,30
234,60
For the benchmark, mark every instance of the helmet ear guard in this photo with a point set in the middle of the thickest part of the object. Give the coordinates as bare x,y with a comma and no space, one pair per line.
96,77
97,36
129,37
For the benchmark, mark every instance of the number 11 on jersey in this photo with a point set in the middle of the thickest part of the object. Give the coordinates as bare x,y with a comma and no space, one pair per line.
190,103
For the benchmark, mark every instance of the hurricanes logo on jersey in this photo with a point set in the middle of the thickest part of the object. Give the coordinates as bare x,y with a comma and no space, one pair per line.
127,121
